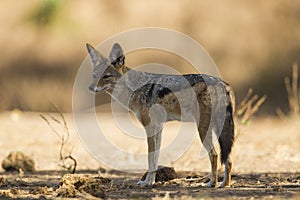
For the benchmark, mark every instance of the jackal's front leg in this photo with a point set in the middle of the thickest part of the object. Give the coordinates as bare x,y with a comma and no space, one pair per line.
154,142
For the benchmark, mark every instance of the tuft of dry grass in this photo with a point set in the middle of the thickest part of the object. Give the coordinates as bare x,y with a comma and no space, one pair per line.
64,137
246,109
291,87
249,106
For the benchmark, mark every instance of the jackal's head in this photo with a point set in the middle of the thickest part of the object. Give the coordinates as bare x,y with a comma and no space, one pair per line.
106,71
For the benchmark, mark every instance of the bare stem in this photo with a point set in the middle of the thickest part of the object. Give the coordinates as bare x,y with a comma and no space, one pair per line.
292,90
64,137
295,88
255,108
280,113
249,106
243,105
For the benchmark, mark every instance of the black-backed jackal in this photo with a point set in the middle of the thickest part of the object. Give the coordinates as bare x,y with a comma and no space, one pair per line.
158,98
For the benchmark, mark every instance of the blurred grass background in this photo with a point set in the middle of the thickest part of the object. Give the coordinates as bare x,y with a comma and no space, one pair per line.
254,43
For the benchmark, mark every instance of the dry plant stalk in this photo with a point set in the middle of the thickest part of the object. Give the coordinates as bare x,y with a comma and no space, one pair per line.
249,106
64,137
280,113
292,92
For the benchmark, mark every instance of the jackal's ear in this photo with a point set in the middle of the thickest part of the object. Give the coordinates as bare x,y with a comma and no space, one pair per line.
116,56
96,56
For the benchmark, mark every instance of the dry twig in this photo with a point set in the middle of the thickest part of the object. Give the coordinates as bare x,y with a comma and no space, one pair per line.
292,93
249,106
64,137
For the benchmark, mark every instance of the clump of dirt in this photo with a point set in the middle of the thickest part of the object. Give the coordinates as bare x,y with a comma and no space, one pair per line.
18,161
41,190
2,181
163,174
72,185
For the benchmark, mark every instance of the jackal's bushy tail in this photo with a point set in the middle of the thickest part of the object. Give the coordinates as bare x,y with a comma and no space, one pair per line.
226,138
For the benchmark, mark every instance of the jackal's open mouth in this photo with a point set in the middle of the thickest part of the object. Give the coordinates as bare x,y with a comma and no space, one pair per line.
94,89
97,89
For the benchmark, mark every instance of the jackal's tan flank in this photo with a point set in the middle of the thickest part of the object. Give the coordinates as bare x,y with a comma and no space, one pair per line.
158,98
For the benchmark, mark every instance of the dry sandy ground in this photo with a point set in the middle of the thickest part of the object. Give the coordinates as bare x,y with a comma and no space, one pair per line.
266,162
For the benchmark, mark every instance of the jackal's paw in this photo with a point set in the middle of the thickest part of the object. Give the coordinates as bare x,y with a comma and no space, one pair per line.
211,184
144,183
223,185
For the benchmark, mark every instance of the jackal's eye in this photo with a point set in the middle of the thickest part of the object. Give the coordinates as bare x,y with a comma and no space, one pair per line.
106,76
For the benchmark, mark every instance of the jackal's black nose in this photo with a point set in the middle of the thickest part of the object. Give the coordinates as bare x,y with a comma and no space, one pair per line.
92,88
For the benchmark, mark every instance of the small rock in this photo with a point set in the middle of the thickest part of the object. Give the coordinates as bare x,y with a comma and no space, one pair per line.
163,174
18,161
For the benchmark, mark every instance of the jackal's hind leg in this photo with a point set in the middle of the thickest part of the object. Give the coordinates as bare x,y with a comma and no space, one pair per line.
206,139
213,157
227,173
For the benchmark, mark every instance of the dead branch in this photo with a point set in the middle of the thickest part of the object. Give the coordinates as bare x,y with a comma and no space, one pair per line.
241,106
72,168
280,113
295,88
291,87
64,137
252,109
249,106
